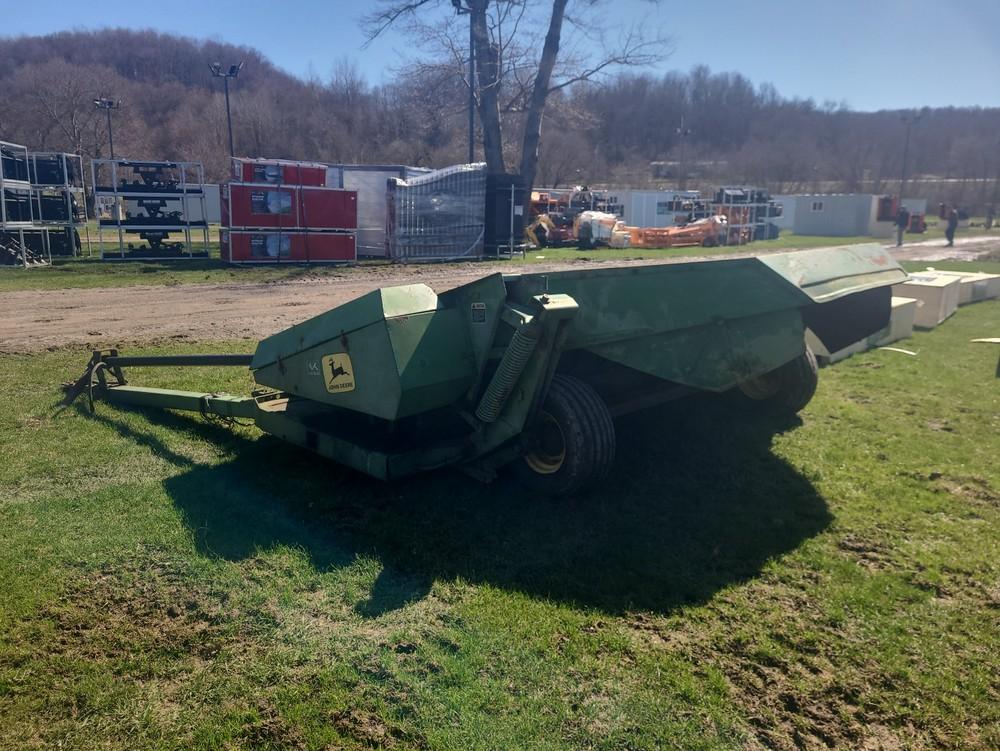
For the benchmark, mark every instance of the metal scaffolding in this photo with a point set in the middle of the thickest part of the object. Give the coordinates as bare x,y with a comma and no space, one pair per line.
151,200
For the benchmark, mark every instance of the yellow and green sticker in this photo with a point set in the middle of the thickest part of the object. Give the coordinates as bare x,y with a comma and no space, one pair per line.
338,373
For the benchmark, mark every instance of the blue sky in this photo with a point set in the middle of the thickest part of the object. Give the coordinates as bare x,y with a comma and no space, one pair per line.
872,54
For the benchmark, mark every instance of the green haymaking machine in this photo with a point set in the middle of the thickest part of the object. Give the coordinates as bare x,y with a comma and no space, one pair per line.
529,370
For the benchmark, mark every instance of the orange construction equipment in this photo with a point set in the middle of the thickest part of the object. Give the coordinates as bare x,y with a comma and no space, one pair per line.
707,233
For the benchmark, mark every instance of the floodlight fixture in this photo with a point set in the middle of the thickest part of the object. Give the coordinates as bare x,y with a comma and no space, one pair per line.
231,72
103,103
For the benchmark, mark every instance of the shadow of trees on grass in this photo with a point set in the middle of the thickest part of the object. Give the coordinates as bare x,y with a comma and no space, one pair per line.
696,501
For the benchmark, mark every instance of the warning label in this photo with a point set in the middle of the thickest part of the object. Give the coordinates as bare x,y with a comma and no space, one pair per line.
338,373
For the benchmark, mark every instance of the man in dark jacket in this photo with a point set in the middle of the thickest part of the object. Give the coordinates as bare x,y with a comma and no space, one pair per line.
902,223
949,232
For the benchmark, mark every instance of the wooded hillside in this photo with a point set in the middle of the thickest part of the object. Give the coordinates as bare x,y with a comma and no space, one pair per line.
602,134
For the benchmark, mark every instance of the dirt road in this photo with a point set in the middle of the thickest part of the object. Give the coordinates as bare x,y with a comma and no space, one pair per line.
965,249
34,320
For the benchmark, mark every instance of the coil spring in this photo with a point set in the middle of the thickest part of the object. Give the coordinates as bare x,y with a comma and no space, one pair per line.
522,344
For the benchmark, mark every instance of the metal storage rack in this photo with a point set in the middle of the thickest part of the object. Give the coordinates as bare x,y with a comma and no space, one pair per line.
58,194
748,211
151,186
16,209
15,186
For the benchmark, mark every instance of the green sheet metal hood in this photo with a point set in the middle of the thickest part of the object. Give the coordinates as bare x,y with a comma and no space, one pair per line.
391,353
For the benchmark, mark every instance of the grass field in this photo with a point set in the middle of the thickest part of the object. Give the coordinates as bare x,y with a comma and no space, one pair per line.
92,272
169,583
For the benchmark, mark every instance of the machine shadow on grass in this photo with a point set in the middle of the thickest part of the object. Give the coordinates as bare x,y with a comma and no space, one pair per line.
696,501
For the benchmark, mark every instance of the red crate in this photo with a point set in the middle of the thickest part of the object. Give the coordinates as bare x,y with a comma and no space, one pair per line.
288,207
278,172
323,208
239,246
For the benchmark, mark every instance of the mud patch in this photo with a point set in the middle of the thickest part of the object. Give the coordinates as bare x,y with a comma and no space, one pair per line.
104,618
972,489
371,731
940,426
272,730
869,554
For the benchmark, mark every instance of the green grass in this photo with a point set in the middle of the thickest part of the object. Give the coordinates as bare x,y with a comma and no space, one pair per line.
169,583
988,267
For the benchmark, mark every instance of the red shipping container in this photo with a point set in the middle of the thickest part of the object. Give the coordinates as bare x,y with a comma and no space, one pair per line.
279,172
288,207
324,207
286,247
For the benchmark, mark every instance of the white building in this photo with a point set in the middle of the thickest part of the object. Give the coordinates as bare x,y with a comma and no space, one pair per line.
656,208
843,214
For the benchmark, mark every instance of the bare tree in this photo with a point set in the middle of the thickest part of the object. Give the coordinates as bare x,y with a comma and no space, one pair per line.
513,83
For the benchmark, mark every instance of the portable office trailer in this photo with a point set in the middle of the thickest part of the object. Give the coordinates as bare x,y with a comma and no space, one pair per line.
844,214
788,205
659,208
837,215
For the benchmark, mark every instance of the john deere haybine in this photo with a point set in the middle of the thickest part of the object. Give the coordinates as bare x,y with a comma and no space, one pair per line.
530,370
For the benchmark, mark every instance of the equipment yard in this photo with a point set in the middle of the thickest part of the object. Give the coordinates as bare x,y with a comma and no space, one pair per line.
826,580
488,375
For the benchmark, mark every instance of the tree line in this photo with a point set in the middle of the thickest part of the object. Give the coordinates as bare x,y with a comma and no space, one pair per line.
699,126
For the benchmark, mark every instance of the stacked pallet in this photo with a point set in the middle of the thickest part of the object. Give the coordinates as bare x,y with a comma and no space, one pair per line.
276,211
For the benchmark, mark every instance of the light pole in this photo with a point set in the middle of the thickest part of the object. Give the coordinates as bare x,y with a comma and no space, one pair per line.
107,105
225,75
683,133
910,119
461,9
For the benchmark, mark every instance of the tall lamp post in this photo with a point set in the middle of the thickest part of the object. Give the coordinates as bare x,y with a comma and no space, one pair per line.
231,72
682,134
107,105
910,119
463,9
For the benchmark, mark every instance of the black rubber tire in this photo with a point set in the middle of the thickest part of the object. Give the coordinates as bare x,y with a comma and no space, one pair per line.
588,440
585,240
785,390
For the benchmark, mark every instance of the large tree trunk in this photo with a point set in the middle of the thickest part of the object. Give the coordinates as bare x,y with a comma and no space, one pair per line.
540,92
488,68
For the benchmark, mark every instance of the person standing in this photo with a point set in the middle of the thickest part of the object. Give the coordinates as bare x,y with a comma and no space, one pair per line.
902,223
949,232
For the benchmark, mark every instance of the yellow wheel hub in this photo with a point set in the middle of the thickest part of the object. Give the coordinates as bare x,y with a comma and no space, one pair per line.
550,452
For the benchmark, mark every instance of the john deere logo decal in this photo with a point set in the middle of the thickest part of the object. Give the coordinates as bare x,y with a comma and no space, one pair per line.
338,373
